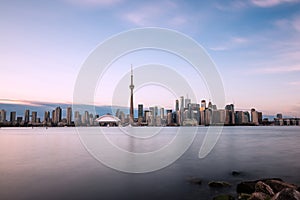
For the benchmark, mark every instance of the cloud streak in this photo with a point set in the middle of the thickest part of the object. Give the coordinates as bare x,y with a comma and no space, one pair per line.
271,3
283,69
92,3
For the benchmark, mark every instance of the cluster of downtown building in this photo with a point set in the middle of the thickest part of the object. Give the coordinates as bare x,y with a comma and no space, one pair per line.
187,113
50,119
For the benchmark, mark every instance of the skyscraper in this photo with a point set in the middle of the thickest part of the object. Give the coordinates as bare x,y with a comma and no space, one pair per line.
26,116
181,103
69,115
33,117
140,111
162,113
2,115
254,116
12,116
131,86
57,115
177,105
203,105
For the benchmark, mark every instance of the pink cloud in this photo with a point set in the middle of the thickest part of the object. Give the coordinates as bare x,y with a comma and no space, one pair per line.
94,2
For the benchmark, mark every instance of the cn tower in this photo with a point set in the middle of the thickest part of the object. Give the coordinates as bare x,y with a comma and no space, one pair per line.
131,86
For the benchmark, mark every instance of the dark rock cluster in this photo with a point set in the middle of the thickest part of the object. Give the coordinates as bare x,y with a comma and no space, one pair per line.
267,189
262,189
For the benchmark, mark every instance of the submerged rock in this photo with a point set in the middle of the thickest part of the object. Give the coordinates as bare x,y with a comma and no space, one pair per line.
259,196
195,180
218,184
244,196
235,173
287,194
224,197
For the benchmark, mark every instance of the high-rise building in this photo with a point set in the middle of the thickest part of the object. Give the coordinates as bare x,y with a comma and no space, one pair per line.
176,105
13,116
169,117
77,118
230,115
47,116
162,113
58,114
131,86
187,102
182,103
140,111
69,115
254,116
279,116
2,115
26,116
33,117
203,105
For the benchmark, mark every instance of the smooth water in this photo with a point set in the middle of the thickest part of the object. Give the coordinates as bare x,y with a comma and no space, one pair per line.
52,163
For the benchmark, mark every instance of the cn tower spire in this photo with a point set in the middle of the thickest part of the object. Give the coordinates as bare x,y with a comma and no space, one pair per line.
131,86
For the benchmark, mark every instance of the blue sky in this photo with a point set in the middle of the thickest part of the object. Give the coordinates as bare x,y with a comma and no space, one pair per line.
255,45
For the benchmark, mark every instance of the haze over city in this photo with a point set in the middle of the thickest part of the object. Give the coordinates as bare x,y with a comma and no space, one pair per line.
254,44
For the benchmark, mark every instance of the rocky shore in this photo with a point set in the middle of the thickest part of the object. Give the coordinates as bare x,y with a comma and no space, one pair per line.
262,189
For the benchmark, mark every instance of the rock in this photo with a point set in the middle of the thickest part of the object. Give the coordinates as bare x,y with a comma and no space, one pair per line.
277,185
224,197
218,184
235,173
247,187
264,188
244,196
287,194
195,180
259,196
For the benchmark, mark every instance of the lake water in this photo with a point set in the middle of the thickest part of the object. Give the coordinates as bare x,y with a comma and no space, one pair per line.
53,164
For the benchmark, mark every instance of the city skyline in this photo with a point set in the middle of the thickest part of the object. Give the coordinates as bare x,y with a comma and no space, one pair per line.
255,48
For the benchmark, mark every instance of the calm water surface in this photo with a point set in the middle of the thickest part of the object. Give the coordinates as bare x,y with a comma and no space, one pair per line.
53,164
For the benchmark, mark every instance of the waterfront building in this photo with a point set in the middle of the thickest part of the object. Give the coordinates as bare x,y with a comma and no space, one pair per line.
13,115
46,117
181,103
202,117
140,111
169,117
108,120
187,101
77,118
230,115
177,105
33,117
69,115
194,111
203,105
146,115
162,113
279,116
26,116
2,115
286,122
254,117
278,121
208,113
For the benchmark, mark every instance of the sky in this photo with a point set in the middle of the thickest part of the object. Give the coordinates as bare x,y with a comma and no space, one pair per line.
255,45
